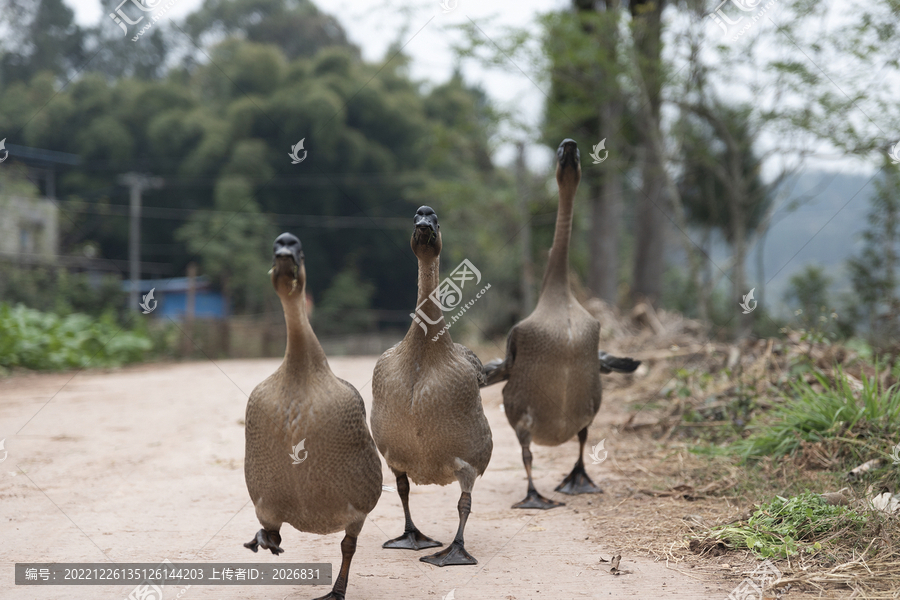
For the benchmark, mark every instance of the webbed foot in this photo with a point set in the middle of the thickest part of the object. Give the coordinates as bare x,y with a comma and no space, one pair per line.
535,500
268,540
454,554
412,540
578,482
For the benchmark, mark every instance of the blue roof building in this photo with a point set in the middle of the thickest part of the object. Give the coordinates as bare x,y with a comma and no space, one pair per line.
171,295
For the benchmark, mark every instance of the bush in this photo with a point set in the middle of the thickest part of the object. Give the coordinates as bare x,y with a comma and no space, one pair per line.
46,341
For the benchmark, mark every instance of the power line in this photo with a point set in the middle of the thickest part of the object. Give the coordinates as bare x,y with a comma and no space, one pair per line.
183,214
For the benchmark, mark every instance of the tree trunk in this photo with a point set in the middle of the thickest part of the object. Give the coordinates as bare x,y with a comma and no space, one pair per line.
606,195
649,237
736,195
527,279
704,290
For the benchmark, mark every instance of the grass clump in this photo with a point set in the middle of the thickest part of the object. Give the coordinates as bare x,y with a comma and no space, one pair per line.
863,420
37,340
788,526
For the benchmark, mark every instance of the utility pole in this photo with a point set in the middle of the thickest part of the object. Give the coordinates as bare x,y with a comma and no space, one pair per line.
138,182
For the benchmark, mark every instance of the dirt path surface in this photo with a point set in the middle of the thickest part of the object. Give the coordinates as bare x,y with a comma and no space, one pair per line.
145,464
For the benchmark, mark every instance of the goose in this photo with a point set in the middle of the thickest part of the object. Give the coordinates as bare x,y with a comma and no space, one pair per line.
552,365
310,460
427,417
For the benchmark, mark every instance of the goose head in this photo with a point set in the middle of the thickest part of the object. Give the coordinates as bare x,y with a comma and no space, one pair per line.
288,273
568,168
426,237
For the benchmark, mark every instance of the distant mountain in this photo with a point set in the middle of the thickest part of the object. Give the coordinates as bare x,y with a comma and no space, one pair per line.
824,230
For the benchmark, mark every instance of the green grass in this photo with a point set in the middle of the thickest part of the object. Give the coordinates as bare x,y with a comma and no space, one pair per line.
788,526
37,340
865,422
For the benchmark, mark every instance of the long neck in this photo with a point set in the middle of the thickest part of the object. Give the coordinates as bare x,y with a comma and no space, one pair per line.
556,277
428,312
304,353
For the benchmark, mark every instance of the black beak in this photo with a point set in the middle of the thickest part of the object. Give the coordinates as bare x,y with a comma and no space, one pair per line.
567,154
287,245
426,223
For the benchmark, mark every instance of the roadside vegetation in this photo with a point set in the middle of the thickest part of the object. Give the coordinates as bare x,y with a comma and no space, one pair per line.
32,339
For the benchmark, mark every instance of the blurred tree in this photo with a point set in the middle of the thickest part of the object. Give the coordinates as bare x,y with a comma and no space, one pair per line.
587,104
115,55
218,131
808,297
720,186
234,244
297,27
874,271
653,201
39,36
346,305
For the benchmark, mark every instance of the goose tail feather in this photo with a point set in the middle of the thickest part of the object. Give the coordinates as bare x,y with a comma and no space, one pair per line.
611,364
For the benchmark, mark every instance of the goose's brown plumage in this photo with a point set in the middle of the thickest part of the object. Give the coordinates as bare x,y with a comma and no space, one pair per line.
427,417
552,363
337,480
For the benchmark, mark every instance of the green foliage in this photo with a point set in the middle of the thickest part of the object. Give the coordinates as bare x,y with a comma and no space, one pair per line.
346,305
39,36
785,527
809,289
62,292
297,28
719,162
863,422
808,297
234,244
379,146
46,341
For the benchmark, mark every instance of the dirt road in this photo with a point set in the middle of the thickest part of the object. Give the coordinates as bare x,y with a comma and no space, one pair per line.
145,464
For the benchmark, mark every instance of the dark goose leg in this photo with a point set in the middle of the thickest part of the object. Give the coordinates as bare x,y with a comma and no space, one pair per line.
578,482
348,549
455,553
412,538
533,499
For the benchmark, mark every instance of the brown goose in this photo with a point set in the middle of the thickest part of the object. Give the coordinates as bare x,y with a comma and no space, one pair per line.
552,363
427,417
310,459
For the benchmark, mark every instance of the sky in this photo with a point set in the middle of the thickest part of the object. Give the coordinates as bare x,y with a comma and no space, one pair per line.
428,32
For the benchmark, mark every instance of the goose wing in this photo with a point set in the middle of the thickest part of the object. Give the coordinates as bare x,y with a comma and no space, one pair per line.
474,361
499,370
